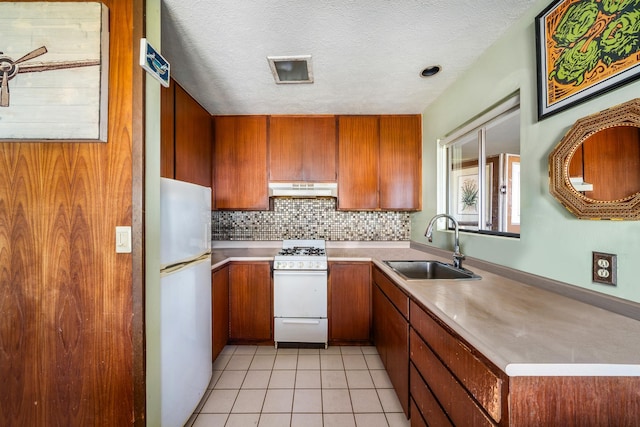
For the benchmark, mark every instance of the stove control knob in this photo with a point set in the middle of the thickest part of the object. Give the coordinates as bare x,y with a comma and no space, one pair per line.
291,264
300,264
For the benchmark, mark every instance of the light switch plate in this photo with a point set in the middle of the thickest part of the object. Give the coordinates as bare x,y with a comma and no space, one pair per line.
604,268
123,240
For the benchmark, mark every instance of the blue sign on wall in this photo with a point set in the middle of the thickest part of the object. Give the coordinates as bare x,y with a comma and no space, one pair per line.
154,63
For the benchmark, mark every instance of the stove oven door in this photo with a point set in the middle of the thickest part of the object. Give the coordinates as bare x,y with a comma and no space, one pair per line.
301,293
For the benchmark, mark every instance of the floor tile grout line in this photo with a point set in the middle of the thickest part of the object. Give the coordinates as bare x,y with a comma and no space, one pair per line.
322,387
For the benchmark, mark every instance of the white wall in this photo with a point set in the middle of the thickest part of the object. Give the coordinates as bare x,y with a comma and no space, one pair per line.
553,243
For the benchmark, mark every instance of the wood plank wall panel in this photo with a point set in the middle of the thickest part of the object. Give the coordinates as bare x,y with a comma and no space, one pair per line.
68,329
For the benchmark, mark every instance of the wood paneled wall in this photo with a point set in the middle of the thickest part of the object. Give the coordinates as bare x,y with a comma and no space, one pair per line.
71,318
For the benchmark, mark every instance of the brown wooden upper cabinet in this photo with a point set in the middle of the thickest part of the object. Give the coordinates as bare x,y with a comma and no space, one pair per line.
240,158
379,162
400,162
302,148
185,137
358,168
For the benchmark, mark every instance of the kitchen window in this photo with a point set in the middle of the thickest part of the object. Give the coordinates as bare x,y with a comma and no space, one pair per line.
483,172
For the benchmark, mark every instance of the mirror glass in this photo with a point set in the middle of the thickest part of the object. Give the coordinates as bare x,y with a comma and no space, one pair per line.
594,171
606,166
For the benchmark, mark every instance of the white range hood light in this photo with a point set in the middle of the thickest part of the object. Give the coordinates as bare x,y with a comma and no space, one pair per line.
303,189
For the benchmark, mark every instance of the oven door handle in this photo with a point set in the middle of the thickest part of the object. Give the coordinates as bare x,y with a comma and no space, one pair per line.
299,272
302,321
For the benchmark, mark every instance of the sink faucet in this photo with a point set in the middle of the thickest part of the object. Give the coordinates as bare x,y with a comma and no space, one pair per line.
457,256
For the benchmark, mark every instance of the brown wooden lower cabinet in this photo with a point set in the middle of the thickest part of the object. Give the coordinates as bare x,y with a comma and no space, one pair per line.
349,303
449,374
391,334
250,303
219,310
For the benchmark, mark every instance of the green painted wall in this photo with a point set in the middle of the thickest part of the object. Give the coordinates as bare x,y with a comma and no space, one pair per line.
152,224
553,243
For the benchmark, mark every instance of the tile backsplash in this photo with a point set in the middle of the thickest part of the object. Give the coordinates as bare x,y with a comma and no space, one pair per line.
309,219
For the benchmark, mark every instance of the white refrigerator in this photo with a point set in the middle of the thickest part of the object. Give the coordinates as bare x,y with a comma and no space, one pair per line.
185,294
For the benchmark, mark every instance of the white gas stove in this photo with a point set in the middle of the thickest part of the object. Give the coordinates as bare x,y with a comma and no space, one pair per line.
300,292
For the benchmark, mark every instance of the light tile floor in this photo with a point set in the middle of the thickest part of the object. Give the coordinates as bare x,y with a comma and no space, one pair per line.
289,387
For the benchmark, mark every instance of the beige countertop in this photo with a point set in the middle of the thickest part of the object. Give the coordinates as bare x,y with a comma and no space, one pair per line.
524,330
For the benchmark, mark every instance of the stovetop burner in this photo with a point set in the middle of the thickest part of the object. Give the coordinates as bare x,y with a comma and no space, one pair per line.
302,251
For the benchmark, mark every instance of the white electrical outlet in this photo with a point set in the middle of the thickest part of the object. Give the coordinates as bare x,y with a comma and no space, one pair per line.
604,268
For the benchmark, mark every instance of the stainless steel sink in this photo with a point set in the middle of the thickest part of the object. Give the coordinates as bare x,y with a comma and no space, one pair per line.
430,270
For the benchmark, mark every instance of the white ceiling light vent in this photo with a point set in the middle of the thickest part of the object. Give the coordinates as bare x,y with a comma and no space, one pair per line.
291,69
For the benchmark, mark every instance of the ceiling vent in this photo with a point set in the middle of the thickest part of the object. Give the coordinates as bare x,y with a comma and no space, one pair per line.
291,69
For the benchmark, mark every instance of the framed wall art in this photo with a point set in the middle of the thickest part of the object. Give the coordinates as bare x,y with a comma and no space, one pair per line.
54,71
585,48
465,192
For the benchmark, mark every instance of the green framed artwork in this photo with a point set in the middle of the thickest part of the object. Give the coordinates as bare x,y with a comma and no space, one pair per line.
585,48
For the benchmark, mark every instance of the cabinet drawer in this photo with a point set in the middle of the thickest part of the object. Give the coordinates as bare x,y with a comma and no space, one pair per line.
424,402
474,374
397,297
453,397
416,418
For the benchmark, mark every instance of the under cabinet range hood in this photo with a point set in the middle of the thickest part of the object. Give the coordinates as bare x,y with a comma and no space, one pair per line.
303,189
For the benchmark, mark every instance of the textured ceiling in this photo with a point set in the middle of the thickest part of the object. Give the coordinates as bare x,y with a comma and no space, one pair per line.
366,55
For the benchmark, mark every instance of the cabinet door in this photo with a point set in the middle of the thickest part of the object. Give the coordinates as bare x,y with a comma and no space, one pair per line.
185,137
192,140
350,302
391,337
302,148
220,309
319,157
378,308
397,339
250,302
240,163
358,170
400,162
